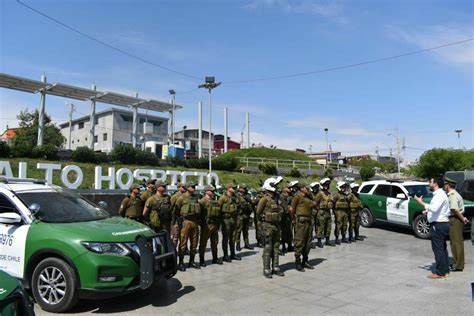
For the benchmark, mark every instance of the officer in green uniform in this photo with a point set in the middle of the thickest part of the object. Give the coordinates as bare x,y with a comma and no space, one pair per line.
158,209
456,224
301,206
243,220
355,205
228,205
341,206
286,232
257,221
323,205
176,220
150,190
190,210
271,214
131,206
210,222
314,189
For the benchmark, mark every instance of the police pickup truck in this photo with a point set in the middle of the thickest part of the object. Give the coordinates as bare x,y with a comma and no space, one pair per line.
63,247
393,202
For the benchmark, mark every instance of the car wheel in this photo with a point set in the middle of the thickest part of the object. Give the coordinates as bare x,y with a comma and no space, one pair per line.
366,217
54,285
421,227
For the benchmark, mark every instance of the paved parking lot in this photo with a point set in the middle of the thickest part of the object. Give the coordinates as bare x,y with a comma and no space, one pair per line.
385,274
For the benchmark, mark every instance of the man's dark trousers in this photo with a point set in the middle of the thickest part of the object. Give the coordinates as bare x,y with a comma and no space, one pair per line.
439,236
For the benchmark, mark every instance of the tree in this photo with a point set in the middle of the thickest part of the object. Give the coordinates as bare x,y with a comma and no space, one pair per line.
367,172
27,136
435,162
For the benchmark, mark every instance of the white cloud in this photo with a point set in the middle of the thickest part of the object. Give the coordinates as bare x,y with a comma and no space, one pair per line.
329,9
435,35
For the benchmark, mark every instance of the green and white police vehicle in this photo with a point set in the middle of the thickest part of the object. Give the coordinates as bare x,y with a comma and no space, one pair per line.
14,301
393,202
63,247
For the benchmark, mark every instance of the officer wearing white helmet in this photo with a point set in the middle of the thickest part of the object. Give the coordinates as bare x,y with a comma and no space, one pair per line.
341,206
355,205
284,200
323,205
271,215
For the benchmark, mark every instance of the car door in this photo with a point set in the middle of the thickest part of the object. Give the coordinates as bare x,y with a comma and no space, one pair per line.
379,201
397,208
12,240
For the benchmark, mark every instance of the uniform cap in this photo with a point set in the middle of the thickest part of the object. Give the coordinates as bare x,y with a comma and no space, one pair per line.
160,184
243,186
302,184
230,185
150,181
190,184
449,180
134,186
209,188
180,184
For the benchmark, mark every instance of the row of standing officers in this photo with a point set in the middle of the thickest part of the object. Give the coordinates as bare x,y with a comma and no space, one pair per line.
282,216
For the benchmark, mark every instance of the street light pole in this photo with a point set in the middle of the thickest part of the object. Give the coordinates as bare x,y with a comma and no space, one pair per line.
173,94
210,83
398,149
327,145
459,131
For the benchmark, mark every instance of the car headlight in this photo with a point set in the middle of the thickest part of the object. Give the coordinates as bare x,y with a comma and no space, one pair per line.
107,247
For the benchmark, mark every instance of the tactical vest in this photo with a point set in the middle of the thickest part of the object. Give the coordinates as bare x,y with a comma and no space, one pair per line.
229,207
245,206
271,213
341,202
213,209
327,202
134,207
303,208
190,207
161,209
355,203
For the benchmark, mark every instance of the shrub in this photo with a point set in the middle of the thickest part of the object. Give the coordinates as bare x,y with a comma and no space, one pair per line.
226,164
268,168
84,154
200,163
21,151
102,157
176,161
328,173
144,157
366,172
294,173
124,153
47,151
4,149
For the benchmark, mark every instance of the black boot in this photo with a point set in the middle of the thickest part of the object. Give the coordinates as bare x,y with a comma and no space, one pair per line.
216,260
306,264
226,257
193,264
344,240
338,242
298,264
247,246
233,256
290,248
237,247
278,272
283,248
202,262
329,242
320,243
181,266
267,273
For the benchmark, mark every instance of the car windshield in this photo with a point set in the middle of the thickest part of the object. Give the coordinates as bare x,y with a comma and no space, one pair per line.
62,206
419,190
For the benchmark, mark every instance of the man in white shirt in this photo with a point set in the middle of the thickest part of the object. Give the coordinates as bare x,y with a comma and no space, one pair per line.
437,212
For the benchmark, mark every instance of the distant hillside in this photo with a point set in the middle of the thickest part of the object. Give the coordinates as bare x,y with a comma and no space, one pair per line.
265,153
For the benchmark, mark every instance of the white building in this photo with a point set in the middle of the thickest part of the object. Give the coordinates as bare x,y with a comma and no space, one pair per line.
114,126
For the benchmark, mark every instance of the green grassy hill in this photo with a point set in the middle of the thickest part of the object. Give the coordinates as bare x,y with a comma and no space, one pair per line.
265,153
88,172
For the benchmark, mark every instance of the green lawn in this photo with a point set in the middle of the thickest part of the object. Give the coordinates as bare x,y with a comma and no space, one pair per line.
88,172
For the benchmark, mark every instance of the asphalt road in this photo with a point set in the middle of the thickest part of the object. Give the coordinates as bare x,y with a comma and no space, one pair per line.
385,274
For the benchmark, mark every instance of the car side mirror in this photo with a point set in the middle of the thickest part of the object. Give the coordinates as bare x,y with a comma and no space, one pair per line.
10,218
401,196
102,205
34,208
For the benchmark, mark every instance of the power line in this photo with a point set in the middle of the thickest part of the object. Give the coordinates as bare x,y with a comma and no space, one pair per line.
373,61
105,43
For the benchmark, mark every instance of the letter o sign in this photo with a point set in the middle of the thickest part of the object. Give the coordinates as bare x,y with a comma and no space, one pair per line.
118,178
79,176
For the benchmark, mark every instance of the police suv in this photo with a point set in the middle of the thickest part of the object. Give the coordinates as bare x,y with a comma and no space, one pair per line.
63,248
393,202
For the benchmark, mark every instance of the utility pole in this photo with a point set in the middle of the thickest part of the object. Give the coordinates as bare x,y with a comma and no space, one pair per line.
327,145
225,129
398,149
72,108
247,120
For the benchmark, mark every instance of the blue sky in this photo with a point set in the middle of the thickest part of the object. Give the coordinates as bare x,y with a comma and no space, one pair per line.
427,96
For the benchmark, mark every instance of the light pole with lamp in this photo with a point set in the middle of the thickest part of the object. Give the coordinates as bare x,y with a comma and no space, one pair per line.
210,83
459,131
398,149
327,146
173,94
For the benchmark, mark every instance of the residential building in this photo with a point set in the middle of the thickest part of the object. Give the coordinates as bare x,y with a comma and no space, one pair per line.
8,134
219,144
114,126
189,139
